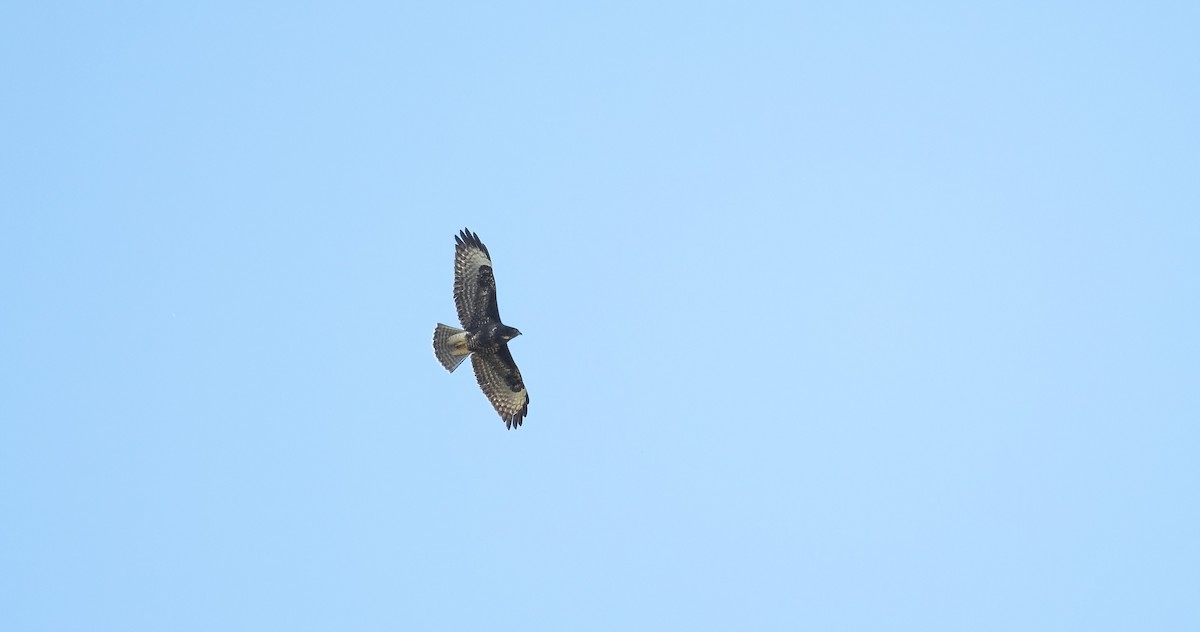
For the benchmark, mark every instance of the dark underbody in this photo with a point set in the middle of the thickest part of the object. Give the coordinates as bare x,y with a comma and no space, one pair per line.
490,337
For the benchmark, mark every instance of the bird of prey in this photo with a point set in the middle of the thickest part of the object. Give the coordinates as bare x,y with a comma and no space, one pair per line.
483,336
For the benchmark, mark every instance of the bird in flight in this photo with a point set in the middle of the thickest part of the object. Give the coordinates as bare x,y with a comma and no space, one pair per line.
483,336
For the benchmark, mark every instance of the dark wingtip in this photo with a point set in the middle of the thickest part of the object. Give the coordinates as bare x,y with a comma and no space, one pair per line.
519,418
467,238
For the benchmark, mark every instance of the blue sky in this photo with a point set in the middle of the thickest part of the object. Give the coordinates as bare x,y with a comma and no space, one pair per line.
855,317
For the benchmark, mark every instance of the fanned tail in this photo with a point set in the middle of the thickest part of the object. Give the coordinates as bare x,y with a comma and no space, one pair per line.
450,346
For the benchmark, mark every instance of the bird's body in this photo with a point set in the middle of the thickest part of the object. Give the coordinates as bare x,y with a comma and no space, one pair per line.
490,337
483,337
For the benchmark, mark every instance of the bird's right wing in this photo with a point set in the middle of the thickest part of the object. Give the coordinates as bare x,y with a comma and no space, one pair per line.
474,285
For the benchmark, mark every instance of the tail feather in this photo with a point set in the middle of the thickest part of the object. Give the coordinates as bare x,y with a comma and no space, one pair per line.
450,346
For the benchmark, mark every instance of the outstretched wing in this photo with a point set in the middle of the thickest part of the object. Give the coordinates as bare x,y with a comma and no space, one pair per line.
474,285
500,380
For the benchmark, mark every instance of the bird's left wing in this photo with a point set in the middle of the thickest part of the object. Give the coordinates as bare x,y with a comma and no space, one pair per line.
501,382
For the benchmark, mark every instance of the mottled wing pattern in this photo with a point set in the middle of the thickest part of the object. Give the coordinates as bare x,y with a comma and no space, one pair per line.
501,382
474,285
486,296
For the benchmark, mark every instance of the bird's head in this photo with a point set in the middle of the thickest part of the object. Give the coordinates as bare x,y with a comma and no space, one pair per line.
508,333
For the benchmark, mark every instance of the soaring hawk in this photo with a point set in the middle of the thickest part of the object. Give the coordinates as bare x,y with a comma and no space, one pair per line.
483,336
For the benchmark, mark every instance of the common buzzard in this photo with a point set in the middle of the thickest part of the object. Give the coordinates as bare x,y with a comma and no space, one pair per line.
483,336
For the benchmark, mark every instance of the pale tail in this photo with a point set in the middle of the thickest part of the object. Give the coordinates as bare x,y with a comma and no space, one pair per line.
450,346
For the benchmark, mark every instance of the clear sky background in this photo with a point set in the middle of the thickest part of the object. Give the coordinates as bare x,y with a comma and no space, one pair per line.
854,317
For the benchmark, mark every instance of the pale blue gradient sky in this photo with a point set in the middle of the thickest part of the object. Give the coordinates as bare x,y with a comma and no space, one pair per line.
866,317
